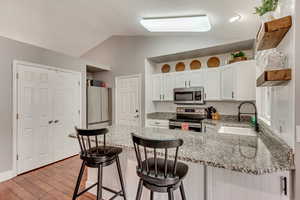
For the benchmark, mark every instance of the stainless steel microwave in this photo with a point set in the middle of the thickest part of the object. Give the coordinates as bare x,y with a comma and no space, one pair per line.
192,95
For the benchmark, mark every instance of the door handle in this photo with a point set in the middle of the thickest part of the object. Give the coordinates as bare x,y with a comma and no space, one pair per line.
50,122
189,83
56,121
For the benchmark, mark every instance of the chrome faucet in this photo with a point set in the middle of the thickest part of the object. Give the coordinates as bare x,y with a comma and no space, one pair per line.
255,113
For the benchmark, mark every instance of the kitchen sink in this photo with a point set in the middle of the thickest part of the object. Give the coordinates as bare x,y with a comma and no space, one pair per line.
237,131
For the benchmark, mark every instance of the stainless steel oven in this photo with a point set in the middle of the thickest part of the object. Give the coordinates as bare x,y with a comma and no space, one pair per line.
192,95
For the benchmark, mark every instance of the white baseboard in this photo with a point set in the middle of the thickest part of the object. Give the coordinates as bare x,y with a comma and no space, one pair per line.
4,176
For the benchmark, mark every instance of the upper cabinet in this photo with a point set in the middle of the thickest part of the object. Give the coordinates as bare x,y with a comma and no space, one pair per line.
238,81
162,87
157,84
228,83
212,84
231,82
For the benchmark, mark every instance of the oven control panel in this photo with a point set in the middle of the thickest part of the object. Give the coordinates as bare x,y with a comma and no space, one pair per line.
190,110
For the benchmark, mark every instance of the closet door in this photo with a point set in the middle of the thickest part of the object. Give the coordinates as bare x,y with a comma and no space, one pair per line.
66,115
35,117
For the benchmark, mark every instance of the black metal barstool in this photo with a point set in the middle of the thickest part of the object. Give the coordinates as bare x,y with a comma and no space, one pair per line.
159,174
97,157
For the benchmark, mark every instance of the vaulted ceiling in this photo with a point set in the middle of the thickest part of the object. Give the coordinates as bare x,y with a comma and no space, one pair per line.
75,26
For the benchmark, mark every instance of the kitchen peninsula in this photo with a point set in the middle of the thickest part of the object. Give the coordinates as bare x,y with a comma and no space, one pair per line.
208,154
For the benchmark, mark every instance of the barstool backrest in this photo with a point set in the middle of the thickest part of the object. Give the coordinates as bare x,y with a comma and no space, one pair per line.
152,145
88,137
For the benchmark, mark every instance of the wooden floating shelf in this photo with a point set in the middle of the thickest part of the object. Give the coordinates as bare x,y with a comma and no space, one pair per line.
271,33
274,78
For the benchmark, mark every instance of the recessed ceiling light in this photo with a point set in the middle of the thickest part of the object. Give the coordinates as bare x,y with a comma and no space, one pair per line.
194,23
235,18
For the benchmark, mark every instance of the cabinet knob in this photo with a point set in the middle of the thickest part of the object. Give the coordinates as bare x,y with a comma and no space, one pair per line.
56,121
50,122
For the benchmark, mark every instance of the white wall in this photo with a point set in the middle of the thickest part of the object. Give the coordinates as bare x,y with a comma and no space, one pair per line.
282,103
9,51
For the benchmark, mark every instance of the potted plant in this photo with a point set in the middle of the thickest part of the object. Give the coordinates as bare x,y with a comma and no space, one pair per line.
237,57
266,10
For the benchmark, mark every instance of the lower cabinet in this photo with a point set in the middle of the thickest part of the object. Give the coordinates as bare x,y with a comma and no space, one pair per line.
227,184
155,123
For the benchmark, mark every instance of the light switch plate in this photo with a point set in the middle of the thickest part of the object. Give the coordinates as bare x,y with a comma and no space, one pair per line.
298,133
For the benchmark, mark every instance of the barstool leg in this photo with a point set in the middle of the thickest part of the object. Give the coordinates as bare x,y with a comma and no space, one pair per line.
99,185
139,191
182,191
170,194
78,180
121,177
151,195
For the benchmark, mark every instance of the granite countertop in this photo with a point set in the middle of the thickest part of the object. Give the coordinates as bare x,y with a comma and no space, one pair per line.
256,155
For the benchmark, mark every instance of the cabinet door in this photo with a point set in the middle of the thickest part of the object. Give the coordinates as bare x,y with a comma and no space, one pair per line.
157,87
196,78
181,79
169,85
212,84
228,83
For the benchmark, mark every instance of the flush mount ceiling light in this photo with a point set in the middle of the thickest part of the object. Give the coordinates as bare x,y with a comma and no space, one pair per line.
194,23
235,18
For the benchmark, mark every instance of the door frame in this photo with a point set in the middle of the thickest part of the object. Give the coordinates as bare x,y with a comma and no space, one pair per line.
15,103
117,78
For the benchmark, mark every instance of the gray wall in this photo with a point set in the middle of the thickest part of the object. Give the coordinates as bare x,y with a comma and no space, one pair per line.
12,50
126,54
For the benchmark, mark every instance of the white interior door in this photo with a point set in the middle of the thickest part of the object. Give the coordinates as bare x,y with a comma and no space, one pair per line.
35,115
66,115
48,105
128,100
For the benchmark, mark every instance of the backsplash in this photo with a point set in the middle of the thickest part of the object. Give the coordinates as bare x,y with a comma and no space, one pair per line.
223,107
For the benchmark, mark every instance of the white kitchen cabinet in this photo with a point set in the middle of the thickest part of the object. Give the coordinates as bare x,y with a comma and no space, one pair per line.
181,79
228,82
234,82
162,87
168,88
238,81
227,184
212,84
196,78
156,123
157,87
245,80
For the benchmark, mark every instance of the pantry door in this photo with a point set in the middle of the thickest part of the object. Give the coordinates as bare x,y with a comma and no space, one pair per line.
128,100
48,108
34,103
66,114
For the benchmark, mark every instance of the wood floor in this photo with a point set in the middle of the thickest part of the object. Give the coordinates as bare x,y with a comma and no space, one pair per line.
56,181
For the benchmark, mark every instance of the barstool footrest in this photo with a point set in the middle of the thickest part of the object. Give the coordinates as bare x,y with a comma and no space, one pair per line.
116,195
87,189
113,191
